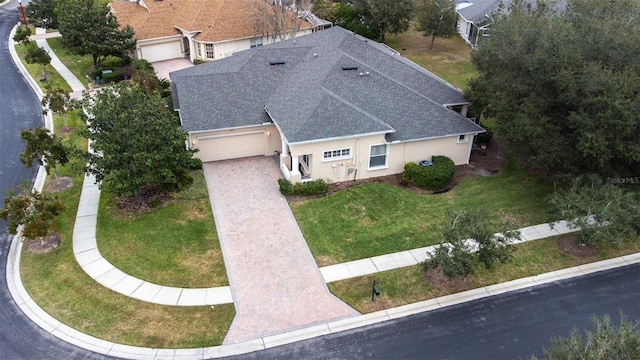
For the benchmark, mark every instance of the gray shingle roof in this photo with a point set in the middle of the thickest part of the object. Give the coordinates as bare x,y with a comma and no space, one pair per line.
310,97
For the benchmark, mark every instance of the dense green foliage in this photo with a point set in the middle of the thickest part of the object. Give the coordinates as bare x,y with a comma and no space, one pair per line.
33,210
37,55
136,140
605,213
455,254
434,177
604,341
45,148
315,187
563,87
370,18
88,29
22,34
43,13
437,18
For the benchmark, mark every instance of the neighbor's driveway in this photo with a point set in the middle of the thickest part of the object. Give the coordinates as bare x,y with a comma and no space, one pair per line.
274,279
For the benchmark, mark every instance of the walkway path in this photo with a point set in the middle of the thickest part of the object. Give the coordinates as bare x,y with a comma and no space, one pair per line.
276,284
76,85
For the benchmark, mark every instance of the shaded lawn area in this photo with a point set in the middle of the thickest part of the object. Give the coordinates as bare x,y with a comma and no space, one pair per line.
173,245
53,78
406,285
59,286
377,218
76,63
450,58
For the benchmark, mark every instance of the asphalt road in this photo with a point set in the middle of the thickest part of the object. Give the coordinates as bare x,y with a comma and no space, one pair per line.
19,109
508,326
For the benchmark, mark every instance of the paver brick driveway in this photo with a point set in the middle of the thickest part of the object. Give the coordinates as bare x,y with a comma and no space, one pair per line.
275,282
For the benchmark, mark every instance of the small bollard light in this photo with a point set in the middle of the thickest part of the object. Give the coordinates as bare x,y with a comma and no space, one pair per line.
374,292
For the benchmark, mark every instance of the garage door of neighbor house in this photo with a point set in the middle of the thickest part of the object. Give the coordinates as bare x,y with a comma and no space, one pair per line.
222,147
163,51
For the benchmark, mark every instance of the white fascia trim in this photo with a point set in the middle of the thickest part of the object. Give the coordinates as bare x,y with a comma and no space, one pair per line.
159,39
187,32
228,129
456,104
341,138
437,137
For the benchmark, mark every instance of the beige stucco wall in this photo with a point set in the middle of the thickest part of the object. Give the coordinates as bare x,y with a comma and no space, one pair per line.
272,140
398,154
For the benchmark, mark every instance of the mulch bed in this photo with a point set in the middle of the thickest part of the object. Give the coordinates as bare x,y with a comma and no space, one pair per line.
60,184
568,244
151,196
437,278
44,245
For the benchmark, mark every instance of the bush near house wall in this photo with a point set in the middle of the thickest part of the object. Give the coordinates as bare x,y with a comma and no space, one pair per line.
434,177
315,187
116,74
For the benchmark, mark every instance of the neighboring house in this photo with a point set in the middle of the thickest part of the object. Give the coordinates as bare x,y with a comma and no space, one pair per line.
474,18
197,29
331,105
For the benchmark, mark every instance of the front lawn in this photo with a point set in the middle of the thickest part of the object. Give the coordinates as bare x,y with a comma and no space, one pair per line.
76,63
377,218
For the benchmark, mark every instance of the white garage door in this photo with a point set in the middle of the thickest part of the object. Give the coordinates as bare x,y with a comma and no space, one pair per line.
224,147
163,51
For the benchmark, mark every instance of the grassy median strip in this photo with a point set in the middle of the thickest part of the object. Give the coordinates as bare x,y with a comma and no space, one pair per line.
406,285
377,218
58,285
35,70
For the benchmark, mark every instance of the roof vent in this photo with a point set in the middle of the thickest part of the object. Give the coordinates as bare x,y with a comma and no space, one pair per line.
276,62
349,67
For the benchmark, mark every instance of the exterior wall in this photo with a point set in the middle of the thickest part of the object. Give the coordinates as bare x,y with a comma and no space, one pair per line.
463,28
272,138
357,165
225,49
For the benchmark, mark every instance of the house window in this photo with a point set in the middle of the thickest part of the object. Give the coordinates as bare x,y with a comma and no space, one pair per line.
257,41
378,157
336,154
462,138
199,50
209,48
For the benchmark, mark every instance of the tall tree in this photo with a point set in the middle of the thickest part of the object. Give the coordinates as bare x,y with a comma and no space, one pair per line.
354,17
90,29
43,13
391,17
58,101
437,18
37,55
135,140
22,35
280,19
563,86
33,210
45,148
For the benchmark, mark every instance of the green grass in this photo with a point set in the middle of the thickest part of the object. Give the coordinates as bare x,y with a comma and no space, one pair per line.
407,285
377,218
60,287
173,245
52,76
76,63
450,58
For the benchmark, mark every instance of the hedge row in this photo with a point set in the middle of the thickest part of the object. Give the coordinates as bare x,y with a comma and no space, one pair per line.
315,187
434,177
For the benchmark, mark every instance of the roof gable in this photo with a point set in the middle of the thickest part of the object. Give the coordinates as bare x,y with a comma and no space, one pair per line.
311,97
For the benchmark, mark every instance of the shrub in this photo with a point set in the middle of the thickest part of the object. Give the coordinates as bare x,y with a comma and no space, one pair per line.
141,64
194,163
454,258
116,75
485,137
315,187
434,177
113,61
198,61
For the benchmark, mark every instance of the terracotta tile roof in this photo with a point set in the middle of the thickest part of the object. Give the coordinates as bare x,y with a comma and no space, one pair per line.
218,20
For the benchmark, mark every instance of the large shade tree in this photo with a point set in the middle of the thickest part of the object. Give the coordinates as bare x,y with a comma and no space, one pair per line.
436,18
90,29
135,140
43,13
564,87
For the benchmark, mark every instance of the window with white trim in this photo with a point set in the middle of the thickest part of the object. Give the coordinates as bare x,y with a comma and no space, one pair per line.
378,156
209,49
336,154
199,49
256,41
462,138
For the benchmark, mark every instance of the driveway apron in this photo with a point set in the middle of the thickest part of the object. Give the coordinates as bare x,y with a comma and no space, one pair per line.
275,282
